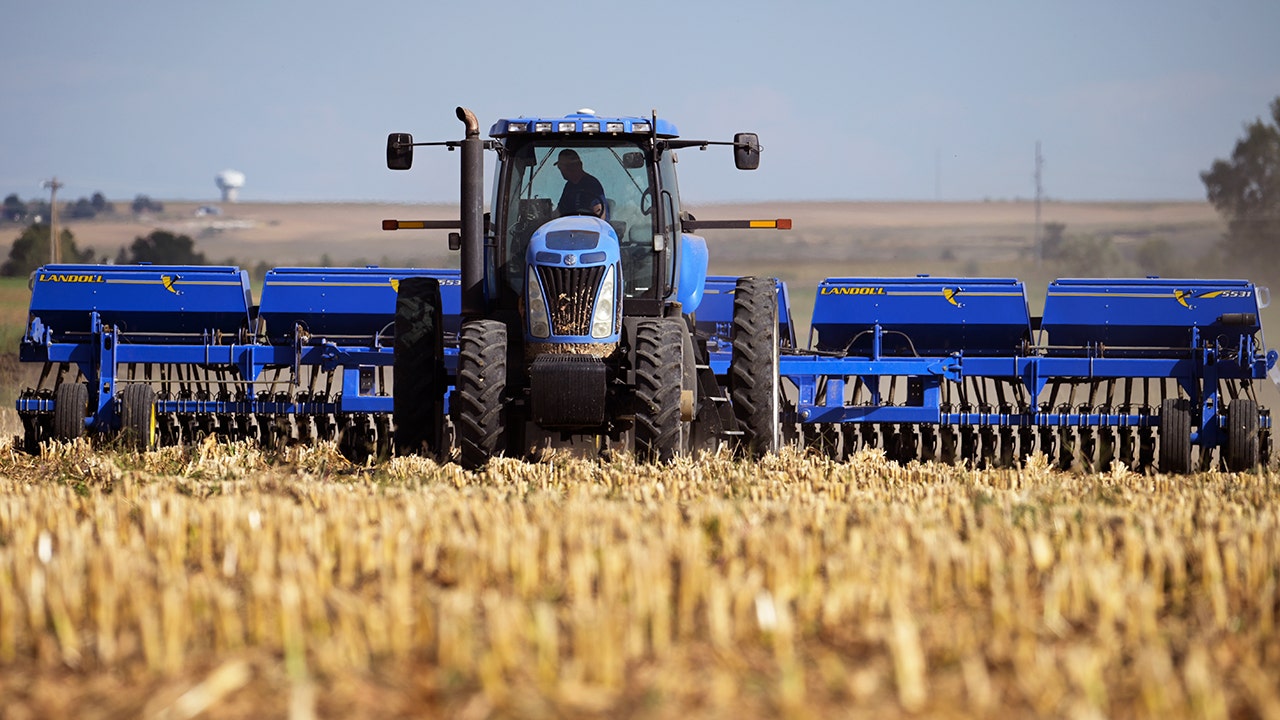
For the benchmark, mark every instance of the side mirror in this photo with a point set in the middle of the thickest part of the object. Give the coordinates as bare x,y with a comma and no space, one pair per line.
746,151
633,160
399,151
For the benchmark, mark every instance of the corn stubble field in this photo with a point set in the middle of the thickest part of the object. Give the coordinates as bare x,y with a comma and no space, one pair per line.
226,581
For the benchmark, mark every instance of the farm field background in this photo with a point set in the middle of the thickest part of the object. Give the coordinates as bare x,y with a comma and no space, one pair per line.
946,239
233,581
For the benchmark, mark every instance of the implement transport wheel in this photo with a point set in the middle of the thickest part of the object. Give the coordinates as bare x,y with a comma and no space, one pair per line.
1243,453
479,412
138,417
1175,436
753,368
659,373
70,407
418,379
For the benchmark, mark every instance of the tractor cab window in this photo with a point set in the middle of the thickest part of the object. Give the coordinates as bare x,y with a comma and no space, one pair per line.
553,178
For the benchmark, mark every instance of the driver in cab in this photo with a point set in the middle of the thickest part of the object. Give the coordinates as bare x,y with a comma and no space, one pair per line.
583,193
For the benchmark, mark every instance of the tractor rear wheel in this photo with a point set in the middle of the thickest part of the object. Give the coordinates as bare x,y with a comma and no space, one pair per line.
1242,435
418,373
659,370
138,417
1175,436
479,412
753,368
70,407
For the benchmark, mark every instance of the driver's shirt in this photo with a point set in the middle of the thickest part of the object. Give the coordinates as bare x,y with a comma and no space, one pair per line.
580,196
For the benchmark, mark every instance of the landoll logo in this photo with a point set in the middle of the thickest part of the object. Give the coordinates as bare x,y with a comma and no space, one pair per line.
951,294
168,282
68,278
853,291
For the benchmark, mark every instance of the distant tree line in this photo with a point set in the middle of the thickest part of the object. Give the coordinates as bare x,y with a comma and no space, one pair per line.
31,250
16,210
1246,191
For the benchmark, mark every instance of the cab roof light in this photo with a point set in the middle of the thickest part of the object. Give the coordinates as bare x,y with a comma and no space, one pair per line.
615,127
517,127
641,127
591,127
566,126
542,127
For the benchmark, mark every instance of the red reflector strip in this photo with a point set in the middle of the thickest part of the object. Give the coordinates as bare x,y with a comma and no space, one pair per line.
390,224
784,223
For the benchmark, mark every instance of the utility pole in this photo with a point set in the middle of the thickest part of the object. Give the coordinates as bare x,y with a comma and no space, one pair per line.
55,251
1039,194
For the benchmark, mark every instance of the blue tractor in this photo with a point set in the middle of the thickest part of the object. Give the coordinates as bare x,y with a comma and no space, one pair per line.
578,294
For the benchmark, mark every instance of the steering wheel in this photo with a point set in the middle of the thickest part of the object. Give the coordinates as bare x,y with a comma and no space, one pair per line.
646,202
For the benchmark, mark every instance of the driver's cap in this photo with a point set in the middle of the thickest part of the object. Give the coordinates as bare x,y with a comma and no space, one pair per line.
568,157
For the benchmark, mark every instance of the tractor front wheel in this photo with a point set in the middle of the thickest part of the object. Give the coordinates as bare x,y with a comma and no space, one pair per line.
659,370
479,398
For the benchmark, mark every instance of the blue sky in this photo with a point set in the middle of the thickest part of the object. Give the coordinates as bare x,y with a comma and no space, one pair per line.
907,100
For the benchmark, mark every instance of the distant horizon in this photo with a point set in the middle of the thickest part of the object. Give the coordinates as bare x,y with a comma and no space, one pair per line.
686,200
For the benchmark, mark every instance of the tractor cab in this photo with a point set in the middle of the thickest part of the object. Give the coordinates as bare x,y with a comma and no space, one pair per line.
585,208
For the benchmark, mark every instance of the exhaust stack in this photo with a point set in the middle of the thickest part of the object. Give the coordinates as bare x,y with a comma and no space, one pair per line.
472,199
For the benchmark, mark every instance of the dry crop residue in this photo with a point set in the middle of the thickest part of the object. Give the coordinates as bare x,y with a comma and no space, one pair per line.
234,582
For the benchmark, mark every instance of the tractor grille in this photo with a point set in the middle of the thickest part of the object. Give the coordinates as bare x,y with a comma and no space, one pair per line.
571,295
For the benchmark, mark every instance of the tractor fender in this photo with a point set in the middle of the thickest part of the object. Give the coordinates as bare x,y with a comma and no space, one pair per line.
692,274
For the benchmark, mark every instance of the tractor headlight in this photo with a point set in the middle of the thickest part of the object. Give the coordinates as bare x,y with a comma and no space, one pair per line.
539,320
542,127
641,127
614,127
566,126
602,315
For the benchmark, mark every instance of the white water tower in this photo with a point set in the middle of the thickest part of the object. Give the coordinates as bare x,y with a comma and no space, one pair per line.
229,182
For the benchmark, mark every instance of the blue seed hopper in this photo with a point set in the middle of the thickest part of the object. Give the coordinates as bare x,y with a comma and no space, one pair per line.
958,369
172,353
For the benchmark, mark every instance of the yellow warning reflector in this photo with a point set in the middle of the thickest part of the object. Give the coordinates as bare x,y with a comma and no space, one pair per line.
780,223
404,224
